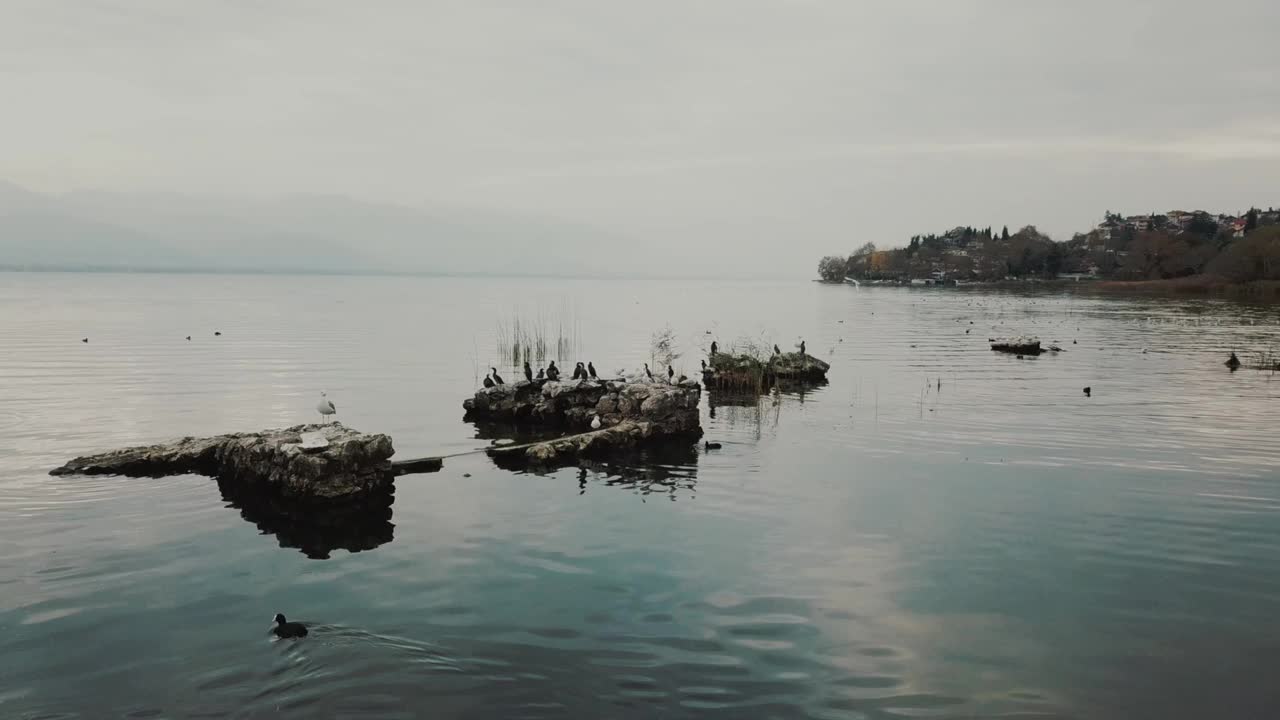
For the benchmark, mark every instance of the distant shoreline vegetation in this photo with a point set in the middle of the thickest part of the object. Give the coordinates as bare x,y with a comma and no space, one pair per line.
1178,251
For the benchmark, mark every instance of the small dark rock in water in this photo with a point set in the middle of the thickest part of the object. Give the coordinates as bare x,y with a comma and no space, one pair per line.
1088,392
286,629
711,445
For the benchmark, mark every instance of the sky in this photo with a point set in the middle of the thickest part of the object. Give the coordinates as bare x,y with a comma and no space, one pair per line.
747,136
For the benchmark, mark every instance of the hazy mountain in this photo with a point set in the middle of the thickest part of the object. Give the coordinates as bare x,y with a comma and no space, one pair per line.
303,233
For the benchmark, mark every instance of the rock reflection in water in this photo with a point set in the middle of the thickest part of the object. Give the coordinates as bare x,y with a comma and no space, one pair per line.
667,470
316,529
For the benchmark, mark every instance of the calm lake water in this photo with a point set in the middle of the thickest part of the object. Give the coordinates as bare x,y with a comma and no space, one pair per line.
880,547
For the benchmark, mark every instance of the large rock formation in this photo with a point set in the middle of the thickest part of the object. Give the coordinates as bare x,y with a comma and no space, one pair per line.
670,408
344,465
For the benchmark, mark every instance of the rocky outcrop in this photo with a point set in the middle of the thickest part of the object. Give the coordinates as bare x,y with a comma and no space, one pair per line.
623,437
665,409
748,372
340,463
1017,345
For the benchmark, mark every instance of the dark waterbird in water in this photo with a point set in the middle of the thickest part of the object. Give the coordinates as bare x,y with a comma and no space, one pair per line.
496,377
591,370
188,337
528,371
488,381
84,339
553,372
1233,362
648,372
285,629
1088,392
217,333
711,445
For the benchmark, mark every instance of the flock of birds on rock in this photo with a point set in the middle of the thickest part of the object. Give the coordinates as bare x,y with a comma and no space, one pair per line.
581,371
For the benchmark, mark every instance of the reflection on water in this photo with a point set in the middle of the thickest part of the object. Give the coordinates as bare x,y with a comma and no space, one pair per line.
317,529
880,546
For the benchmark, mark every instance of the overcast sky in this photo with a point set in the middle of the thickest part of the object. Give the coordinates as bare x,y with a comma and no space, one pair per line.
758,134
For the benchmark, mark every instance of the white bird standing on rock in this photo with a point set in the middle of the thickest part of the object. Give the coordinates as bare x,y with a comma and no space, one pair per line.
595,423
326,407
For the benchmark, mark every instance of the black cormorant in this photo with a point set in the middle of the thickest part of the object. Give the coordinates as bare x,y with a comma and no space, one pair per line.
542,374
648,372
671,372
713,347
488,382
553,372
801,347
776,351
1233,362
704,366
528,371
591,370
496,377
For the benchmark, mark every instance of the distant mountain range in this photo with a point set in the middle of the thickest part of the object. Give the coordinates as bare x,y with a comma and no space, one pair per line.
298,233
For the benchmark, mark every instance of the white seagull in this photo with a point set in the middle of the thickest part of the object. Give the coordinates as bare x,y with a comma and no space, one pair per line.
325,407
595,423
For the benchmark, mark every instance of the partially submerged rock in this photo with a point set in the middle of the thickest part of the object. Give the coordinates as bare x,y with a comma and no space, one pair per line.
743,371
625,436
1017,345
672,408
348,465
631,414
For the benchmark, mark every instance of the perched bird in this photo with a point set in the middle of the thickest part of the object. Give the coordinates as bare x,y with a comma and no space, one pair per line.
1088,392
713,347
542,374
488,381
801,347
704,366
595,423
326,407
553,372
648,372
591,370
496,377
671,373
579,372
776,351
681,380
285,629
528,371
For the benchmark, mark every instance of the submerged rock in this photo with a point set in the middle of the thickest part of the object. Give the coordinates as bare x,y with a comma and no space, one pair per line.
349,465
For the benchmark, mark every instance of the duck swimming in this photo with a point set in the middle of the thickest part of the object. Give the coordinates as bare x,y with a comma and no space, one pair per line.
285,629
